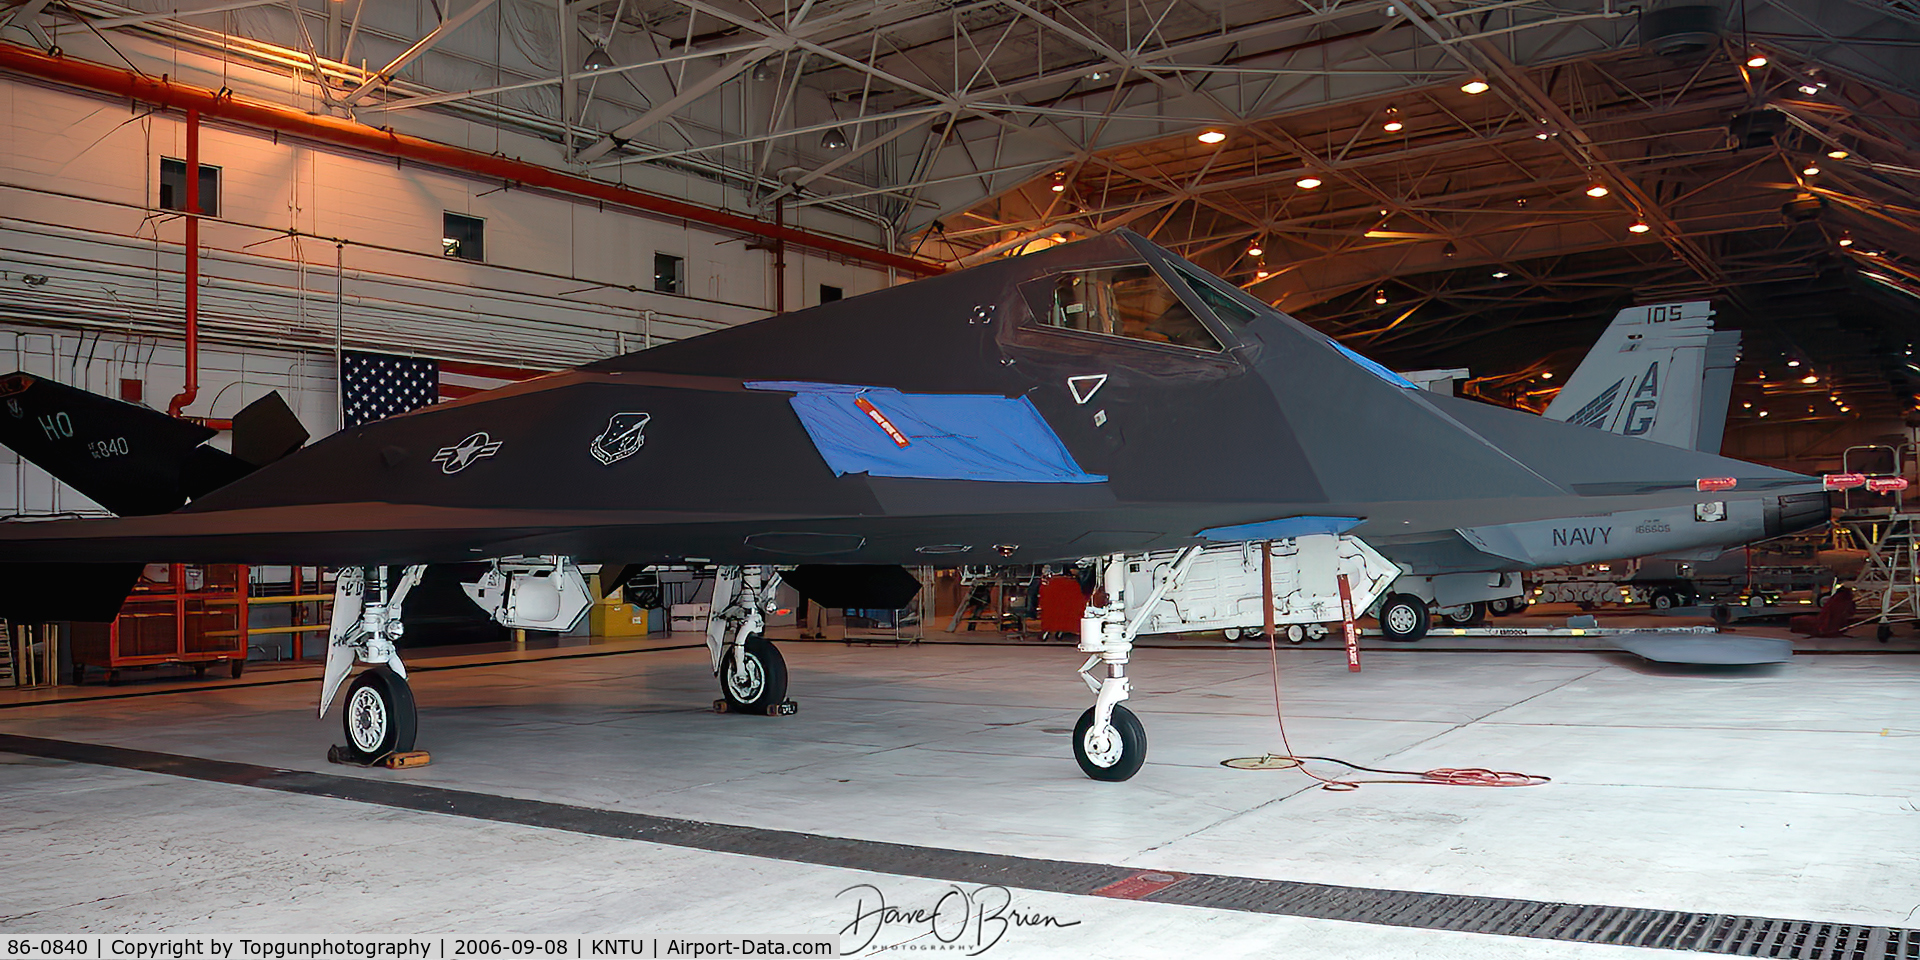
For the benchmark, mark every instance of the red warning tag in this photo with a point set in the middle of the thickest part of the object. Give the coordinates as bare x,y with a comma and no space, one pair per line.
1347,618
1716,483
1886,484
874,413
1843,481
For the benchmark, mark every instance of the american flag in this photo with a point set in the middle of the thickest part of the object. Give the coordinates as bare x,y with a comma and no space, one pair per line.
381,385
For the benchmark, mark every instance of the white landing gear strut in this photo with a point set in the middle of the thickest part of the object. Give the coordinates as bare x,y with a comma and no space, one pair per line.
379,716
753,675
1109,741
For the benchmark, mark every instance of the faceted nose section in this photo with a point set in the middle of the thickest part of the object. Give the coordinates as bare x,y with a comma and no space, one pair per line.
1798,511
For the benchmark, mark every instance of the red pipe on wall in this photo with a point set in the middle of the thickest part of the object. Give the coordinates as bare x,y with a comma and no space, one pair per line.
192,388
352,135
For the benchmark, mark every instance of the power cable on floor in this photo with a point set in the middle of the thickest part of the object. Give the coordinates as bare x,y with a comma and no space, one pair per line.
1441,776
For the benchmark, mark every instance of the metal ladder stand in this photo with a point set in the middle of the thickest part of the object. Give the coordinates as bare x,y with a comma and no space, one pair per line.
1888,587
7,677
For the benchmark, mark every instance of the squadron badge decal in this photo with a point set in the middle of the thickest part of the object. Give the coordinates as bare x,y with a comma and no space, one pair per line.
622,438
462,455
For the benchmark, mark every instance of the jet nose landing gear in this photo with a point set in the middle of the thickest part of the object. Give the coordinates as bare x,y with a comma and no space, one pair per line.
1109,741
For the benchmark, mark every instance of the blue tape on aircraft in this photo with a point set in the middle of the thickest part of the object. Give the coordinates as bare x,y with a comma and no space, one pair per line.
1374,368
1285,529
946,436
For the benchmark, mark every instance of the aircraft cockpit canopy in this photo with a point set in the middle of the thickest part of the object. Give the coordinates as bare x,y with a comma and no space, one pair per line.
1130,301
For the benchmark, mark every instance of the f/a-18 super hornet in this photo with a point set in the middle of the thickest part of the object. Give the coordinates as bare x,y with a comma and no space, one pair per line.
1102,401
1660,373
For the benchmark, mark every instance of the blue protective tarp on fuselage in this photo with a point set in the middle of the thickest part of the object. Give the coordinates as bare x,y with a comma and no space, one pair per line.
949,436
1283,529
1372,367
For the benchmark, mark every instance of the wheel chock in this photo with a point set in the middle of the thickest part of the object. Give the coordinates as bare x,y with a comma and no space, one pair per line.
392,761
785,708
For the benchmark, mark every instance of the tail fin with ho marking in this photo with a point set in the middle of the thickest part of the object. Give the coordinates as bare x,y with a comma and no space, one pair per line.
133,460
1659,372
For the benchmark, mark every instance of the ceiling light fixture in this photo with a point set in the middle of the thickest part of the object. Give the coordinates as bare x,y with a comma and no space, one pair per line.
1212,136
1597,191
1098,75
1307,183
1380,297
1793,363
1393,124
1838,153
1475,87
834,139
1810,378
1756,59
1261,274
1810,170
1811,87
1254,250
1763,413
1501,274
1638,226
1547,375
598,59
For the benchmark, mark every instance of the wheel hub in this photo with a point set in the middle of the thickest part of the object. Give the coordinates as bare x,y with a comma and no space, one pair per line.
1102,746
1400,618
746,680
367,719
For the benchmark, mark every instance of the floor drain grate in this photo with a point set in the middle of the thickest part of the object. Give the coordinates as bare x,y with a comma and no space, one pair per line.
1581,923
1532,919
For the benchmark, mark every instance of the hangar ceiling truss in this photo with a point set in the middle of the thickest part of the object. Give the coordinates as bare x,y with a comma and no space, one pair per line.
964,129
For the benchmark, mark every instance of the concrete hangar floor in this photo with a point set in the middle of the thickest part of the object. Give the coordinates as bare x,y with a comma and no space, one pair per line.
1767,811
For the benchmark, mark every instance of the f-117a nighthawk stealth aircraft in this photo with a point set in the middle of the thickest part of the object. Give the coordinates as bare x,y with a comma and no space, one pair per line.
1102,401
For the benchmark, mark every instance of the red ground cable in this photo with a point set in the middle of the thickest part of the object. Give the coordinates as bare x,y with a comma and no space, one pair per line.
1443,776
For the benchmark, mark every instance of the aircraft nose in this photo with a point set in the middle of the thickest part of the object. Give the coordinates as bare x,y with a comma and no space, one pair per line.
1794,512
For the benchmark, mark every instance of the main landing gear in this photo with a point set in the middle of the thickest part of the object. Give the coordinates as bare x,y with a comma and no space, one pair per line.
753,674
379,717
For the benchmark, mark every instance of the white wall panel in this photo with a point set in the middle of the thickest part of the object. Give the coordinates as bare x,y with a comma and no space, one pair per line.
91,274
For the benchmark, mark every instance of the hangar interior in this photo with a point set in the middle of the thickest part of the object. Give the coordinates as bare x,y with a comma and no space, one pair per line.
367,207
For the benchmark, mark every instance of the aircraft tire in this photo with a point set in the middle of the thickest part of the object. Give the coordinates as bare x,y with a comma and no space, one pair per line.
1663,599
1115,761
379,715
1475,613
1404,618
766,677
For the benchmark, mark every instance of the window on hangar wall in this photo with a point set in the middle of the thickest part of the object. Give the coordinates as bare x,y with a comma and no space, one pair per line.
464,237
830,293
173,186
669,272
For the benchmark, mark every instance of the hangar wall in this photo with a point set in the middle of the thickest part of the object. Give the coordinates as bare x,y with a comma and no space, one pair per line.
315,248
